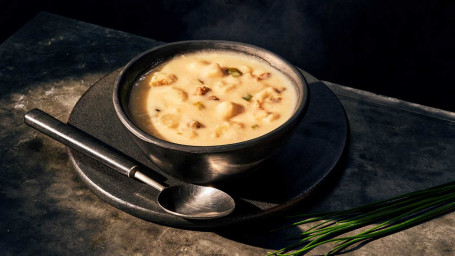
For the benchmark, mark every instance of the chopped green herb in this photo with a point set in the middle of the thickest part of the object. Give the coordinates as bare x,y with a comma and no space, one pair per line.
247,97
199,105
234,72
254,126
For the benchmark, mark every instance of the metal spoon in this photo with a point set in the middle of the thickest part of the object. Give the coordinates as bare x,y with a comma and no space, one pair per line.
186,200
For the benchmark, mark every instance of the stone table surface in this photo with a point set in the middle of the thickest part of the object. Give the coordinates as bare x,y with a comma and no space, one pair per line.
394,147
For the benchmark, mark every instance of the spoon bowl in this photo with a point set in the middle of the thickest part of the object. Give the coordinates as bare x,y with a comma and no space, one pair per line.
195,202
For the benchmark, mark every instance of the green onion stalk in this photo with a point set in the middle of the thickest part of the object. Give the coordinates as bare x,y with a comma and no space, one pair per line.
393,215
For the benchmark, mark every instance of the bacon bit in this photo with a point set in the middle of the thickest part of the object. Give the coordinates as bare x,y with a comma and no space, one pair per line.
202,90
258,104
194,124
275,100
213,98
264,76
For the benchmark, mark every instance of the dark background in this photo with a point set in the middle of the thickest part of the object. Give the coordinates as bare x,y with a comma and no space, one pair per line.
403,49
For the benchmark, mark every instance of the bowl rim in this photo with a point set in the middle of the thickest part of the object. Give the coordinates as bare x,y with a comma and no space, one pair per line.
139,133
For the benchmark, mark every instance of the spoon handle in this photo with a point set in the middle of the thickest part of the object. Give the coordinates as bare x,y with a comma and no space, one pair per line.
86,144
80,141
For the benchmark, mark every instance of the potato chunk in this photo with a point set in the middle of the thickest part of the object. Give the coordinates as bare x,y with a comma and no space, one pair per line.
169,120
228,129
175,95
198,65
268,94
223,87
263,115
220,130
213,70
160,79
271,117
188,133
227,110
260,114
246,69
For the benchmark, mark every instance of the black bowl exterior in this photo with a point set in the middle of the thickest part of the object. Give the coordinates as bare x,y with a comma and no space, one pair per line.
213,167
206,164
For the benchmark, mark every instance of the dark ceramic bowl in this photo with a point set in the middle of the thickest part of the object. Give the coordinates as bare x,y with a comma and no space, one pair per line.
206,164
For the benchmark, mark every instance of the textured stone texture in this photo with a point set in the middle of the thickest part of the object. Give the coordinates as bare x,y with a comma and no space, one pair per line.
395,147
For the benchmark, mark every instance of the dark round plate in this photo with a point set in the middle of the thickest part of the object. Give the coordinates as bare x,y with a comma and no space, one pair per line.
285,180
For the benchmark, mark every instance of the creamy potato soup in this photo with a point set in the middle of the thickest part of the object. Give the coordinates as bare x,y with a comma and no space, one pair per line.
212,98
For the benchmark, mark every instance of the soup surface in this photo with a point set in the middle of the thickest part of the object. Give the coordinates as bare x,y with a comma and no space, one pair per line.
212,98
